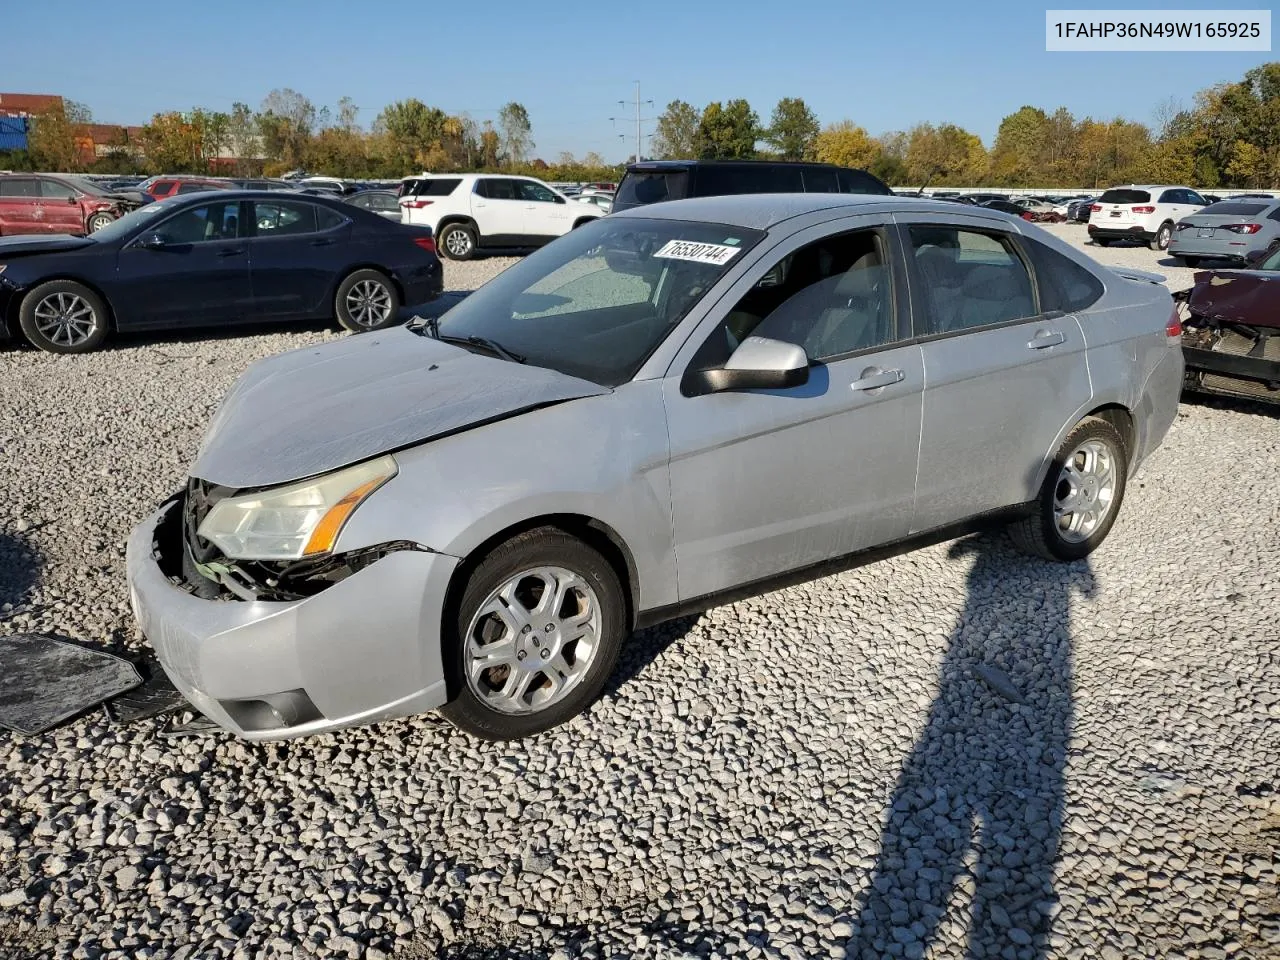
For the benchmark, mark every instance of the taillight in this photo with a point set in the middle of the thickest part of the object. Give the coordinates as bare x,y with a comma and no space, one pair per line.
1144,209
1244,227
1095,208
1027,216
1173,329
1183,226
416,204
426,243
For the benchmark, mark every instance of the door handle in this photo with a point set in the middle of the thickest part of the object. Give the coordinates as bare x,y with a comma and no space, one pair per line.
1045,338
230,251
873,378
322,243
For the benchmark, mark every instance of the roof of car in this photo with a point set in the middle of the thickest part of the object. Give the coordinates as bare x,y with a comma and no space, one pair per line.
760,211
683,164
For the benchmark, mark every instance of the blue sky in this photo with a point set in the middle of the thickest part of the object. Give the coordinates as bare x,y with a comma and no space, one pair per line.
884,65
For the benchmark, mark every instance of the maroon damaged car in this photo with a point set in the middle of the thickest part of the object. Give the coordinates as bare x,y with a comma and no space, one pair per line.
1231,330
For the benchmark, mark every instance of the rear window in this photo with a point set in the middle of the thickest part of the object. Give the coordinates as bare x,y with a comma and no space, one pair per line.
436,187
1125,196
639,188
1229,209
859,181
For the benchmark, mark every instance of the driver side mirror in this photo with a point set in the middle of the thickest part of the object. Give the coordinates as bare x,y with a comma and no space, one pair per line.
73,200
560,199
153,241
757,364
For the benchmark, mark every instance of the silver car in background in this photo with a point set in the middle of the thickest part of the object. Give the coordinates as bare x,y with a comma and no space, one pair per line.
1228,230
667,409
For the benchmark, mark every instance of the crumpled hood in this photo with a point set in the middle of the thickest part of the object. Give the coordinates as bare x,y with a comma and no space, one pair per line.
309,411
1238,296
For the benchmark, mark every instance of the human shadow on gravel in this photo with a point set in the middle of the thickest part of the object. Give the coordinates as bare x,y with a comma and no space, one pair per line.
19,571
977,812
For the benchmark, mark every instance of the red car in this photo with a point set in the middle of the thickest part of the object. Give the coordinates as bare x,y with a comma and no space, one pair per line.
43,203
161,187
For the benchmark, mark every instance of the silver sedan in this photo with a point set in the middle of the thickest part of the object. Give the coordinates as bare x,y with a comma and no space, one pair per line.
666,409
1229,230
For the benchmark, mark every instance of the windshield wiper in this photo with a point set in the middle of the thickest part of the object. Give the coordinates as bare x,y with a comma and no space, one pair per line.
430,324
484,343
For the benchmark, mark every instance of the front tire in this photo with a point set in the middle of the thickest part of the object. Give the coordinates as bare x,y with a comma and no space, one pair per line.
1101,242
458,241
1080,496
98,221
63,316
367,300
1162,238
1190,261
534,636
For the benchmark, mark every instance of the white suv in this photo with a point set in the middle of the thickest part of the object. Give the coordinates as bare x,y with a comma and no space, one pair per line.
1144,212
471,210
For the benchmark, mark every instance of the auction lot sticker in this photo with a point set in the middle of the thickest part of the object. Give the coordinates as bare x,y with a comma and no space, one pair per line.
1168,30
716,254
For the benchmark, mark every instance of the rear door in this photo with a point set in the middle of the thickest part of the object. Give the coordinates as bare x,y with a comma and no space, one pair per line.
200,276
296,250
499,212
63,212
19,199
1002,373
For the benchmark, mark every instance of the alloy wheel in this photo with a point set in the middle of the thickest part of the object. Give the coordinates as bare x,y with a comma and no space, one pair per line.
369,303
458,243
533,640
65,319
1086,489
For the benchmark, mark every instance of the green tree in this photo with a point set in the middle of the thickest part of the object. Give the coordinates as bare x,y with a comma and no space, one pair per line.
728,132
57,136
945,154
516,132
676,135
1016,156
285,123
793,129
413,131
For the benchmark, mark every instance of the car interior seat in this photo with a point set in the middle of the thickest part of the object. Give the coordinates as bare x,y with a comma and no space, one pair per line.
993,294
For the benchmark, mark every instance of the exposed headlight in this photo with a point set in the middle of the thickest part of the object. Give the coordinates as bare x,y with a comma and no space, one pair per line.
300,520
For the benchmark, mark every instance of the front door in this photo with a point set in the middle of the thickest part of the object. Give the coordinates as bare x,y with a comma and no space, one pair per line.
768,481
198,275
546,216
1003,376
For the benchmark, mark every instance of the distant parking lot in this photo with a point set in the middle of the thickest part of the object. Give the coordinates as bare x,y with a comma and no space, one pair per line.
1090,749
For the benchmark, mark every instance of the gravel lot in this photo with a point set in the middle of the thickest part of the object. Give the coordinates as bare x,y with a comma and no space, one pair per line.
955,746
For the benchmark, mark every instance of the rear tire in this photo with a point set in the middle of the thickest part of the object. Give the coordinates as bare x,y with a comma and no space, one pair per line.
1080,497
458,241
576,641
1101,242
1162,238
1190,261
63,316
367,300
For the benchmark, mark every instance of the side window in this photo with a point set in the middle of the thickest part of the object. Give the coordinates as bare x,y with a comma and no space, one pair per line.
1274,214
53,190
832,297
1171,196
213,221
1195,199
19,187
969,279
185,188
327,219
818,180
528,190
278,218
161,188
1064,284
856,181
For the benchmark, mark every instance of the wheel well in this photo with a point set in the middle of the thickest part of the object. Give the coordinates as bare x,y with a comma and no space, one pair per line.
369,266
581,220
453,218
16,328
597,535
1122,420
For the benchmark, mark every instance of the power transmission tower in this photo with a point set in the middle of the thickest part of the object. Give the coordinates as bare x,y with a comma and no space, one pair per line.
639,120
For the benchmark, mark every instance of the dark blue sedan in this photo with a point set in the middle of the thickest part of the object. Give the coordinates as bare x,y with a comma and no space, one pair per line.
211,260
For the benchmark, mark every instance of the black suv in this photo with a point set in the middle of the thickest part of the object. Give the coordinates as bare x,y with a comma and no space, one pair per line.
656,180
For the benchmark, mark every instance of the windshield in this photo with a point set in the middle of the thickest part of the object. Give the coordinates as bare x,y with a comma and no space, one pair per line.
1271,263
595,303
87,186
130,222
1227,208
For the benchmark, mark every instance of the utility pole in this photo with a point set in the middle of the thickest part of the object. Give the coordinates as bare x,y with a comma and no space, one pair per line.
639,119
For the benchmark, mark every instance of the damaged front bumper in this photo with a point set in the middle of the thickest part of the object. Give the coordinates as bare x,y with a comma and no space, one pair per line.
364,649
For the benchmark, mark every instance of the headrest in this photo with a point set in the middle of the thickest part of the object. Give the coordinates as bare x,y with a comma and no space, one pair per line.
985,282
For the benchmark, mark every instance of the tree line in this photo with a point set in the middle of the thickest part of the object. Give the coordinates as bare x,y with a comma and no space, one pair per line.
1229,136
